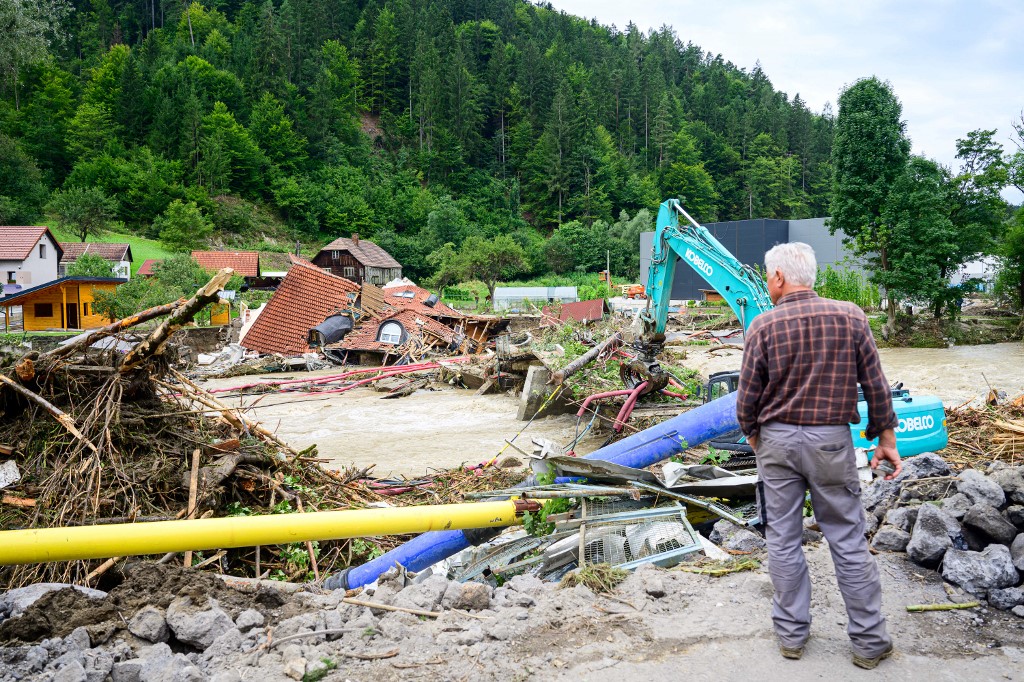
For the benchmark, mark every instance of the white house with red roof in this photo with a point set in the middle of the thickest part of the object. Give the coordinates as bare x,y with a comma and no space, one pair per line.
118,255
29,256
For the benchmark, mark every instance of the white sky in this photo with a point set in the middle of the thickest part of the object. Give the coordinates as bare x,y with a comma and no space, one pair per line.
956,65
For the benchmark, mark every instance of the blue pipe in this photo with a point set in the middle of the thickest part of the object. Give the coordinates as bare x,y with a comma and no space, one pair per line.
637,451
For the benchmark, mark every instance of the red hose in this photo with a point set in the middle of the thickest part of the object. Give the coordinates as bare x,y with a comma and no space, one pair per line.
627,407
681,396
598,396
337,377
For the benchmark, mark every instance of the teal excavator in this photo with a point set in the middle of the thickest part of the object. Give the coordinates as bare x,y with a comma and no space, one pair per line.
922,422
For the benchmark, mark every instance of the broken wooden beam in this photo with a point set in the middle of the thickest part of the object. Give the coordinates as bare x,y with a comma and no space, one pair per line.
155,343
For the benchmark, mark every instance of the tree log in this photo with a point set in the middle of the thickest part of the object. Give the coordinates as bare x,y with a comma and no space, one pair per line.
110,329
155,343
582,361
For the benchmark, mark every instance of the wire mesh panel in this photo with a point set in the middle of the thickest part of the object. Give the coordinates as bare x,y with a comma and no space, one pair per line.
627,539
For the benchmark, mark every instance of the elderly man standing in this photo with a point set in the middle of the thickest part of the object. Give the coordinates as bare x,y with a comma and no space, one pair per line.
797,395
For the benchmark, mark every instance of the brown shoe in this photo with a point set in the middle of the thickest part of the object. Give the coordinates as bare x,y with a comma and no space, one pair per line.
791,652
871,663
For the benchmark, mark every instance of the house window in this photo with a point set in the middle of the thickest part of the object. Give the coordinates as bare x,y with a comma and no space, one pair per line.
11,276
350,272
42,250
334,255
43,310
62,270
390,332
86,309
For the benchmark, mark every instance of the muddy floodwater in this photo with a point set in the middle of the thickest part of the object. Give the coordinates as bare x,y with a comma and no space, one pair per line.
956,375
408,436
448,427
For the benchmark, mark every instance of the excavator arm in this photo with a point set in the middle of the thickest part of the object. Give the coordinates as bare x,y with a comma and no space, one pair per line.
740,285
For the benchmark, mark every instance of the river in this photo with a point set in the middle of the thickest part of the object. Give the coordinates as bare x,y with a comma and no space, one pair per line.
956,375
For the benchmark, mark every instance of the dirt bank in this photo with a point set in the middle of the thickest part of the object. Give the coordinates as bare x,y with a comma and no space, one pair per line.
431,429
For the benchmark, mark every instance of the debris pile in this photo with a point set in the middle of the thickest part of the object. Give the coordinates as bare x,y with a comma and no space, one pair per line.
105,430
970,526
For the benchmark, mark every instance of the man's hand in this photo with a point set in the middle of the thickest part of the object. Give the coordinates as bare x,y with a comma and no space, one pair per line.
752,442
886,451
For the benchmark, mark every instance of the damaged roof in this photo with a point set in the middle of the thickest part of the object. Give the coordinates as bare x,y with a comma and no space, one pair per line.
366,252
107,251
412,297
244,263
364,337
305,297
274,261
583,311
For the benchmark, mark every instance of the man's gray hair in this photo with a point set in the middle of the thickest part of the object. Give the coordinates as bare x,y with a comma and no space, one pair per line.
796,262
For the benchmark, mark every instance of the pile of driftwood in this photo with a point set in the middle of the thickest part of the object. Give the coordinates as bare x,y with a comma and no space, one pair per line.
116,434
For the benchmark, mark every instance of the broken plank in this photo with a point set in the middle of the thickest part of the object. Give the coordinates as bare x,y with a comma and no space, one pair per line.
6,450
486,387
17,501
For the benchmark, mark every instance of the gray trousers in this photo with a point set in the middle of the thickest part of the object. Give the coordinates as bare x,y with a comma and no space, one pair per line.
790,460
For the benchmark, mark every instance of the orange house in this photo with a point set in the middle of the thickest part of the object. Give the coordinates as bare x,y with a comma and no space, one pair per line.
66,303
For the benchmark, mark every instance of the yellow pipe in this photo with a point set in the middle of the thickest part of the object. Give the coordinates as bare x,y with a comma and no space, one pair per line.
160,537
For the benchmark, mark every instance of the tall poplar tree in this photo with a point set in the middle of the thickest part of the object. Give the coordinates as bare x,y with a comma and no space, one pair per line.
869,153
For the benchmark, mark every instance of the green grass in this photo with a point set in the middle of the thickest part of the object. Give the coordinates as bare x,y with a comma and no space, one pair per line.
142,249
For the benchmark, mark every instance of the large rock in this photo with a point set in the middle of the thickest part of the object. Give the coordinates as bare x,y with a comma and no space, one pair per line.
979,488
1017,552
729,535
197,627
1011,481
1006,598
987,520
149,624
903,518
956,505
925,465
890,539
979,572
1015,515
931,536
473,597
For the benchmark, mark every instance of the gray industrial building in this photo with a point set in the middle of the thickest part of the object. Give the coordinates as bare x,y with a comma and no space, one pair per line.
748,240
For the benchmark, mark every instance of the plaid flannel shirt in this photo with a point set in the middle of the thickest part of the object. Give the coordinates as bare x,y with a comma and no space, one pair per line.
801,364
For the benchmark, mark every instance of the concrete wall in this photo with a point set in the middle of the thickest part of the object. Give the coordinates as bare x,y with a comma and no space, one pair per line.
828,249
748,240
34,270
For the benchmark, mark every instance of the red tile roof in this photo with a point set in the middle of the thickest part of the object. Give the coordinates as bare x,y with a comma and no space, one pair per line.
416,303
244,263
366,252
16,243
364,337
146,269
305,297
112,252
582,311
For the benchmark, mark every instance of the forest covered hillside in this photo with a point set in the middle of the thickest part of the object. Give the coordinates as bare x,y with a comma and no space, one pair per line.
414,123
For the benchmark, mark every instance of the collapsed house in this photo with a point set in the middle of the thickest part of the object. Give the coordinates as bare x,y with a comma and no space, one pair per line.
314,309
306,297
409,321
